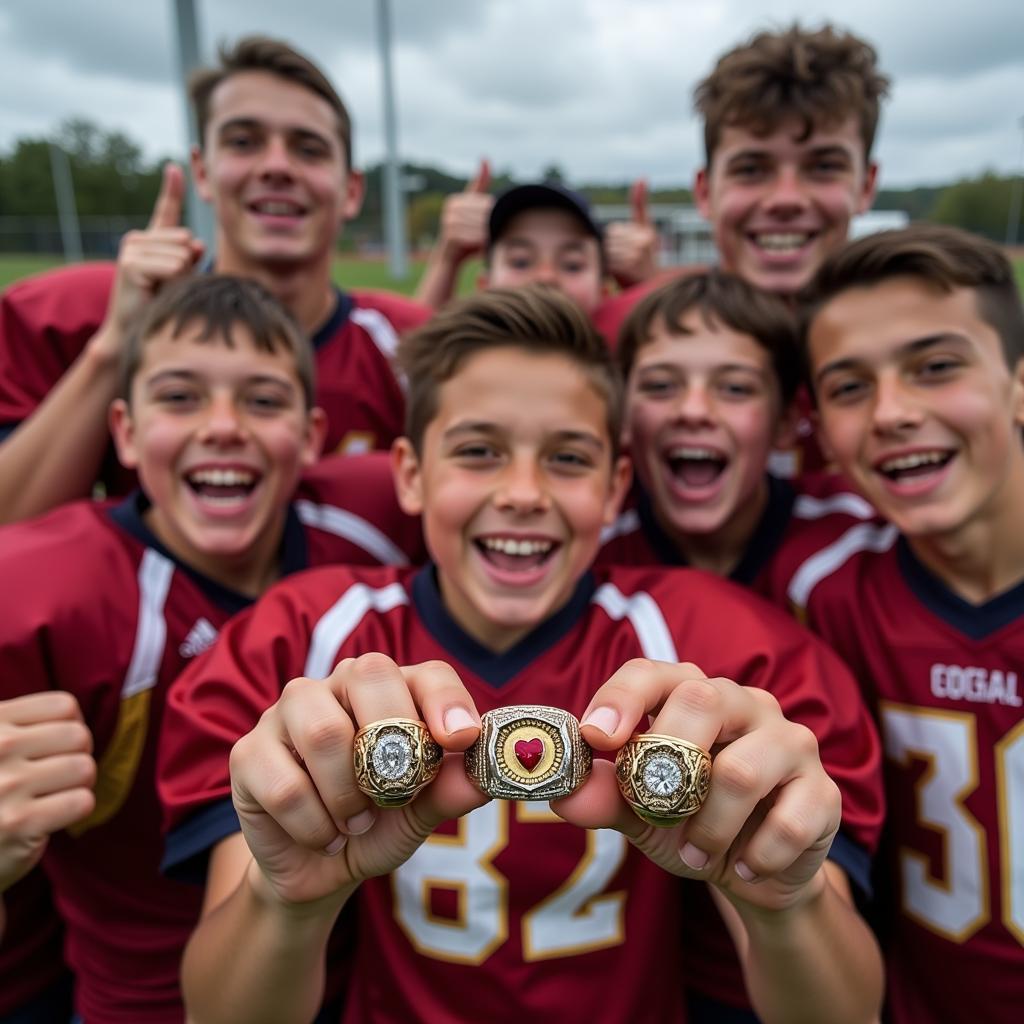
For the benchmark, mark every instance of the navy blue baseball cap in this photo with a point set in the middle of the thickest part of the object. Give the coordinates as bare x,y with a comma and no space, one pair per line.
548,195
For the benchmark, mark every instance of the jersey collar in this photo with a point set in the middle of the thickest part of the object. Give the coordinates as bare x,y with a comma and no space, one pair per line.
976,621
129,516
496,669
763,543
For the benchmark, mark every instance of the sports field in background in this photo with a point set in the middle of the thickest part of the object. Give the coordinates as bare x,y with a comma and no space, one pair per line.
349,272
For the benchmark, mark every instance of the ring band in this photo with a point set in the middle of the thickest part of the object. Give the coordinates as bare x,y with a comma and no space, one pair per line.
664,779
394,759
528,752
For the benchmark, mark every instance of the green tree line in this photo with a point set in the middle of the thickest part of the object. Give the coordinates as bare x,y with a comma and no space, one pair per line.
112,177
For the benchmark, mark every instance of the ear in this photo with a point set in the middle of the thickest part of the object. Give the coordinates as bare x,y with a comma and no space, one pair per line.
316,434
1017,393
200,177
702,192
405,467
122,429
618,486
354,189
870,187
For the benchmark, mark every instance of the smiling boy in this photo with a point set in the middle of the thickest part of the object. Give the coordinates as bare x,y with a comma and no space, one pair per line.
275,162
509,910
916,351
107,603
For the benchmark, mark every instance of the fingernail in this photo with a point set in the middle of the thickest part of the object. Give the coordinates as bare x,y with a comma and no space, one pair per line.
456,719
745,873
360,823
605,719
335,846
693,858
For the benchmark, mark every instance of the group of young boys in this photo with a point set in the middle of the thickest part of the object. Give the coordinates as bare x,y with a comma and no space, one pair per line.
548,493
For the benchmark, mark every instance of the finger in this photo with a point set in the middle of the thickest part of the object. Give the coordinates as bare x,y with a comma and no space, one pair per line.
638,201
373,687
46,739
482,181
56,774
637,689
33,708
444,702
50,813
171,199
267,781
449,796
599,804
320,731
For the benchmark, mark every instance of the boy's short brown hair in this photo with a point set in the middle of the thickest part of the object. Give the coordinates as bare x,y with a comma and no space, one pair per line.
534,318
820,77
942,257
721,299
261,53
219,303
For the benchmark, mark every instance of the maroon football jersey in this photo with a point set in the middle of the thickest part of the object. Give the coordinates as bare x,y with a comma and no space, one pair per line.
944,678
508,914
46,320
94,605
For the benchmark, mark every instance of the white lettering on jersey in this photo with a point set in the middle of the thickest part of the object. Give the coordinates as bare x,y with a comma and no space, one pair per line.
976,685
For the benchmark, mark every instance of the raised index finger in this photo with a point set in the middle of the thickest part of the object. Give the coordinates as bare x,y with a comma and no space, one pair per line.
171,200
482,182
638,201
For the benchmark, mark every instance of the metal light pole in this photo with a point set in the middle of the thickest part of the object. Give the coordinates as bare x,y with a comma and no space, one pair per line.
200,216
394,206
67,211
1017,190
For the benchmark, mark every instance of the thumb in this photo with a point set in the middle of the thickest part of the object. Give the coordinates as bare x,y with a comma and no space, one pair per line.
169,203
638,201
482,181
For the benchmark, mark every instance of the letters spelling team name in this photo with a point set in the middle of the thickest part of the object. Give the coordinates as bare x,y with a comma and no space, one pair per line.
978,685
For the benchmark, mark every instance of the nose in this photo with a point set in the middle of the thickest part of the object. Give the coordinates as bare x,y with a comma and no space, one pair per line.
694,406
786,195
521,486
223,424
545,272
894,409
275,159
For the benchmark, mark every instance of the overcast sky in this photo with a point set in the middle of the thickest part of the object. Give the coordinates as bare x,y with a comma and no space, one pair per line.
600,87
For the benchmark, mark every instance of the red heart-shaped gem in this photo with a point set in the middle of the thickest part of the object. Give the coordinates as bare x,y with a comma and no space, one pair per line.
529,753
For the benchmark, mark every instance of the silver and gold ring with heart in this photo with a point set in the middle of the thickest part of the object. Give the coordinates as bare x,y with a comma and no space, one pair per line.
528,752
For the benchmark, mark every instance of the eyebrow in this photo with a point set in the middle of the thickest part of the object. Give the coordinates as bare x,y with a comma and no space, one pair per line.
492,429
256,123
761,371
908,348
190,375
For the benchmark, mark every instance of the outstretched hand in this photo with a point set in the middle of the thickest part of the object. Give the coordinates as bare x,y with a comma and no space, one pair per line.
768,822
631,247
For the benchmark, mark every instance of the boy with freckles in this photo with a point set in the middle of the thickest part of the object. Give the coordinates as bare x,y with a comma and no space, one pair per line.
915,344
503,911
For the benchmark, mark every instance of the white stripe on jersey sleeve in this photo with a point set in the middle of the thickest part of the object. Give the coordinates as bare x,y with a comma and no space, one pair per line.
359,531
338,622
808,507
862,537
155,572
645,617
382,333
626,522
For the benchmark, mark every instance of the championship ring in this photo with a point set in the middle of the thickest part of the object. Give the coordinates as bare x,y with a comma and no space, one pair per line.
528,752
394,759
662,778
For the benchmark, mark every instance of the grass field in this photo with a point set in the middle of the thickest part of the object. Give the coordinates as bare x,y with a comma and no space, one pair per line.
351,273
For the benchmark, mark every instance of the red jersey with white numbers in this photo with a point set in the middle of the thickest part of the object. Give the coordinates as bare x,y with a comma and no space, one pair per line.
93,604
46,320
945,679
509,914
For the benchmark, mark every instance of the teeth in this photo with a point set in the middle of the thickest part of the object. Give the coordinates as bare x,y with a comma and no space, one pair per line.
222,477
510,546
695,453
782,241
912,461
278,209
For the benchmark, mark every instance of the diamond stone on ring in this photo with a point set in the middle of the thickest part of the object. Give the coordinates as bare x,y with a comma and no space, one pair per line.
394,759
528,752
662,778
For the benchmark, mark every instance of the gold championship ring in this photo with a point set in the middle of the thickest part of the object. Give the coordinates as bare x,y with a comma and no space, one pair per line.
662,778
394,759
528,752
